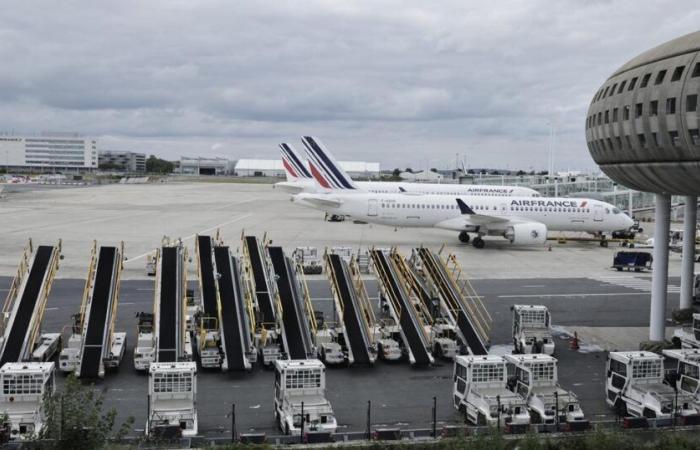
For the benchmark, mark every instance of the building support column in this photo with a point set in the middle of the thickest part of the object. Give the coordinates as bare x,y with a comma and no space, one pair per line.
688,264
659,277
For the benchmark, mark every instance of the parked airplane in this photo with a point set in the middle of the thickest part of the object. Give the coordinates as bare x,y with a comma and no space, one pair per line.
332,176
521,220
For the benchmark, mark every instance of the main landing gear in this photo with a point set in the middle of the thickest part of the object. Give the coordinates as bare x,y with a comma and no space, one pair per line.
477,242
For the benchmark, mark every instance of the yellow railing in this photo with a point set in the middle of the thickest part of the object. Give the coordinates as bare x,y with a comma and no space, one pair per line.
307,299
115,295
363,299
89,281
12,293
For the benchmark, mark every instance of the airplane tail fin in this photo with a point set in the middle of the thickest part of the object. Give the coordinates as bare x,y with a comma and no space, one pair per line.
463,208
294,166
324,168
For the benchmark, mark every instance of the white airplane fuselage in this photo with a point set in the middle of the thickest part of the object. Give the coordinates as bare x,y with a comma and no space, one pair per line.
395,187
442,211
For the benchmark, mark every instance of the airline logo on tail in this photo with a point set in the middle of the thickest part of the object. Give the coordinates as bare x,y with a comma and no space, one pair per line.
293,165
324,167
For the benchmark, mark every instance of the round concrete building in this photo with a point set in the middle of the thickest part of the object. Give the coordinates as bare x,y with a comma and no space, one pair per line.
642,129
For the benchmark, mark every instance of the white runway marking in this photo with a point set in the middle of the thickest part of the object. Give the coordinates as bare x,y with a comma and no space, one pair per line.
533,286
191,236
640,284
598,294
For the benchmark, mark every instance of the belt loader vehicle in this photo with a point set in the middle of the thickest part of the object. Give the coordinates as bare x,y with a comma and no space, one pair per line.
536,381
172,399
634,386
532,331
21,339
300,397
94,347
479,391
24,388
308,259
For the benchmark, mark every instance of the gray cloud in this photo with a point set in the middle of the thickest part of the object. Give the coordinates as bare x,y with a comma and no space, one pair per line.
402,82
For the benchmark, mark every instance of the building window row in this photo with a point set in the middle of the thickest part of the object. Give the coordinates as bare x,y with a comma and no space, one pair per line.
616,88
691,105
615,143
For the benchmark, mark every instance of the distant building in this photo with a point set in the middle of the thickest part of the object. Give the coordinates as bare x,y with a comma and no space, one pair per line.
48,151
205,166
130,161
426,175
274,168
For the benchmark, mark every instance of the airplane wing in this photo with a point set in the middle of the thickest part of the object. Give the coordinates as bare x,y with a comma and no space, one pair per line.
469,218
324,202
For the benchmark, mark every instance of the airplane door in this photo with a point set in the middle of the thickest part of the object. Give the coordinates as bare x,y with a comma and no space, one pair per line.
598,213
372,207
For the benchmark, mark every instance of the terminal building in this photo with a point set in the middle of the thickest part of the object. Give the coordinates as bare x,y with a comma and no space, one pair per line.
642,129
274,168
128,161
205,166
47,152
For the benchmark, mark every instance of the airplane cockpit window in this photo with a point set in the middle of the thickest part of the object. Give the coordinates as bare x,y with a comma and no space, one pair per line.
616,211
607,210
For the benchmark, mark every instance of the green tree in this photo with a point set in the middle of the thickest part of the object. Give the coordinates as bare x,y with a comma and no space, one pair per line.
157,165
75,418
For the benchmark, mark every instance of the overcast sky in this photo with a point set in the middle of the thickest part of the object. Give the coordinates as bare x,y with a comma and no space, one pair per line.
405,83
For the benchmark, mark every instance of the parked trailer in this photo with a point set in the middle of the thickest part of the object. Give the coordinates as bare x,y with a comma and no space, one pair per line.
536,381
25,386
300,382
172,399
637,261
532,329
479,392
634,386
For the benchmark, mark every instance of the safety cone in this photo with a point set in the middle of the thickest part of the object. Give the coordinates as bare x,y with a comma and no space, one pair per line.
573,345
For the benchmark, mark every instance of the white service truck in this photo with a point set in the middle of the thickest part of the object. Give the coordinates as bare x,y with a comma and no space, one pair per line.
308,259
47,347
532,329
300,397
24,387
329,349
387,335
479,391
172,391
444,339
634,386
536,381
686,377
145,350
688,337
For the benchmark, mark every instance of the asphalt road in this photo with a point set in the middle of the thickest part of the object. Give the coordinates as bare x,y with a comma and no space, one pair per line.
400,395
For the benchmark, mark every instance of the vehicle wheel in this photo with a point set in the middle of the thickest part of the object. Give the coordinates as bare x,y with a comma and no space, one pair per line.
621,408
619,269
676,341
437,351
286,429
481,419
604,243
535,417
464,237
478,242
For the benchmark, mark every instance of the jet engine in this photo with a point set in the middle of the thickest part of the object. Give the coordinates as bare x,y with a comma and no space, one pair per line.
527,234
